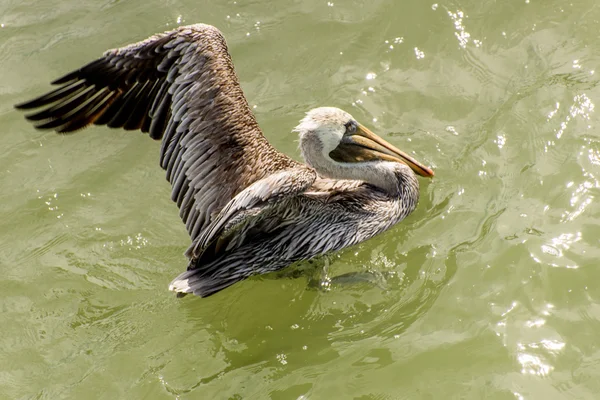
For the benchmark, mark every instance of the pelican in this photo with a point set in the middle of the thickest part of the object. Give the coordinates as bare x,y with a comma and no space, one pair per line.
248,208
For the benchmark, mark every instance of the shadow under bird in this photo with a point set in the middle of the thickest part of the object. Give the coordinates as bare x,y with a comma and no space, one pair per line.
248,208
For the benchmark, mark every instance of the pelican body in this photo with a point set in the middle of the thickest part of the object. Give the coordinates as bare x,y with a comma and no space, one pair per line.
248,208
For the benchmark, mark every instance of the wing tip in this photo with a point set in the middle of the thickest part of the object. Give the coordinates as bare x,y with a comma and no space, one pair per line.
180,286
26,105
193,282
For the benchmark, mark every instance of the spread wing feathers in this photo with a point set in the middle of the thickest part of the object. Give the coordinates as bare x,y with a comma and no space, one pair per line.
262,192
268,237
178,86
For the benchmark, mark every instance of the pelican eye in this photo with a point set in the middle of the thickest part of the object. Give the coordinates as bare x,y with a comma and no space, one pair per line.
350,127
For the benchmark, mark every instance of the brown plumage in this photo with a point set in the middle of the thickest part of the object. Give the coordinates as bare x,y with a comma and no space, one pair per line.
247,207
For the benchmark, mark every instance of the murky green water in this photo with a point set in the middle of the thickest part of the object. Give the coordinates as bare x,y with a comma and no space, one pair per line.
491,285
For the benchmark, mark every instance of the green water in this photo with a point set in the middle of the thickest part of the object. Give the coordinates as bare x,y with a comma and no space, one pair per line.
491,286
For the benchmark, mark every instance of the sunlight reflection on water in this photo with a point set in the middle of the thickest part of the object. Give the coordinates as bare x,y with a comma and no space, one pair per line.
461,34
488,287
537,354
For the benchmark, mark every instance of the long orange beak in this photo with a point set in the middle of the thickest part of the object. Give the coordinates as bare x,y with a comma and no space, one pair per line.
364,145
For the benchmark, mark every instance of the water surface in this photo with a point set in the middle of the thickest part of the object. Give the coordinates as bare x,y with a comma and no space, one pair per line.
491,286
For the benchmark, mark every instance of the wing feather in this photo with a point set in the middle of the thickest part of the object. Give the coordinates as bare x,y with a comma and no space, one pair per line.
179,86
261,193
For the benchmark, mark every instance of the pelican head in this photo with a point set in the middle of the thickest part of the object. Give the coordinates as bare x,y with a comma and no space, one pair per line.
336,145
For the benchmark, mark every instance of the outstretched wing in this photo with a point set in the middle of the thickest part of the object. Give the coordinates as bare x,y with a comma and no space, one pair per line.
181,87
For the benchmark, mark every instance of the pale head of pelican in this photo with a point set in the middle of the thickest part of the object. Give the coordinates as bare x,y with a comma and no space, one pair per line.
331,140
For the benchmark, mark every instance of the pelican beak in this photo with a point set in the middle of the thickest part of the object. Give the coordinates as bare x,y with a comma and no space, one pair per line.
364,145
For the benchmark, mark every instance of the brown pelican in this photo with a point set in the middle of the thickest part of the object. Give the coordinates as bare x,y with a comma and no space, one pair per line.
248,208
